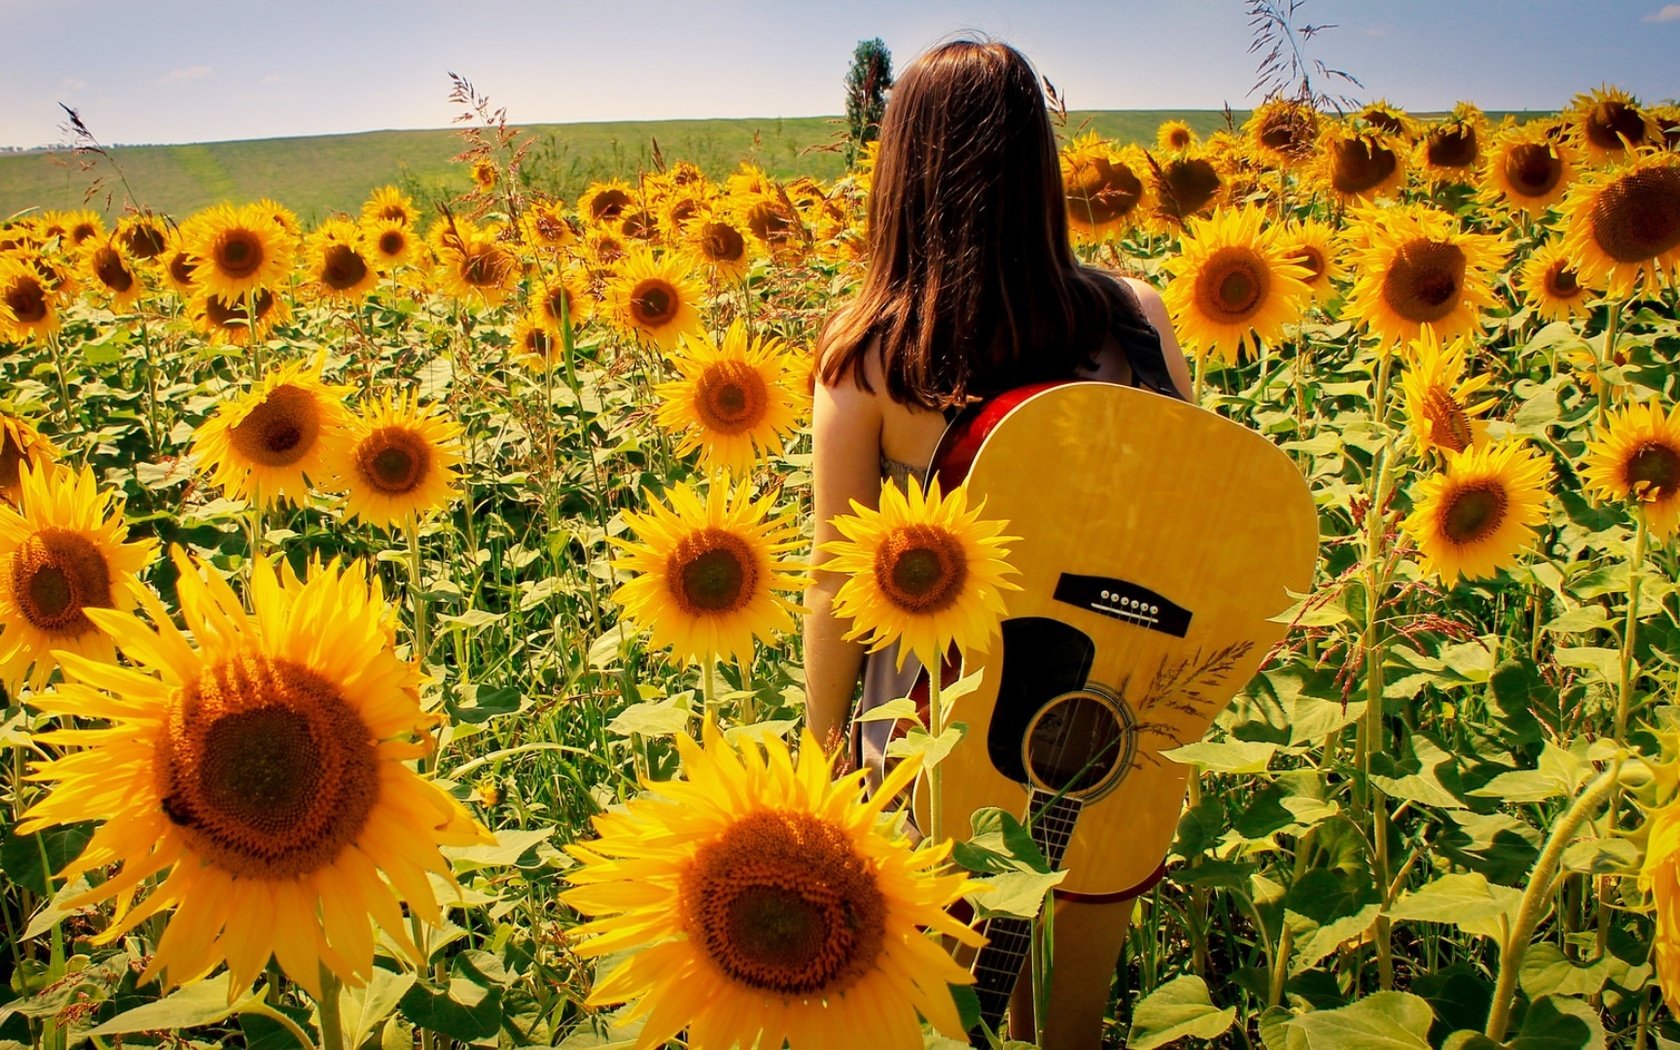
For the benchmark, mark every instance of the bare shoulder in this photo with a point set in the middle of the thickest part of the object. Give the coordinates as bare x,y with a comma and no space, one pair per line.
1147,296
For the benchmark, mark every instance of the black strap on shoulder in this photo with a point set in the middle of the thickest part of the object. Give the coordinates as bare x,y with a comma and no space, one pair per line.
1141,344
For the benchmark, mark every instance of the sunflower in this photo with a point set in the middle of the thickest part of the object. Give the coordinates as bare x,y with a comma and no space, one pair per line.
1232,285
21,445
473,263
1549,283
1624,225
639,224
260,767
770,905
28,307
1609,123
655,298
1439,399
603,202
604,248
1659,876
1451,151
80,227
556,295
735,401
1174,136
1104,186
1388,118
113,272
1475,517
337,263
1527,169
1418,268
1186,186
1283,132
1637,457
546,226
681,208
396,462
390,244
179,266
719,245
239,250
925,571
536,345
270,443
1360,165
1311,245
708,574
143,236
228,321
772,220
390,203
484,174
62,552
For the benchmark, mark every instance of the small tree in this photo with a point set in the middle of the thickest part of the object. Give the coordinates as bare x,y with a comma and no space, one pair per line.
867,84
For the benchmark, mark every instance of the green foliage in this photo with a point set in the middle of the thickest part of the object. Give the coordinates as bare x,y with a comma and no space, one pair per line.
868,82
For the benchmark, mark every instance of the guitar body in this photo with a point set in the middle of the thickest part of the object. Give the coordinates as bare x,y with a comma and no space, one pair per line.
1158,541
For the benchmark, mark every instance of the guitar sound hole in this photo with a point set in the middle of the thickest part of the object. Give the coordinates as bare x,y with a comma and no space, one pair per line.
1076,743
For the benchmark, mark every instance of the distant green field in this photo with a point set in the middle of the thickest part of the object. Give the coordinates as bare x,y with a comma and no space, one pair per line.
322,174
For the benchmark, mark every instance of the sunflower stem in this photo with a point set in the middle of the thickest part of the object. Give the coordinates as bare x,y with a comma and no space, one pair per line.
417,593
332,1021
1607,358
1630,627
936,773
57,348
708,688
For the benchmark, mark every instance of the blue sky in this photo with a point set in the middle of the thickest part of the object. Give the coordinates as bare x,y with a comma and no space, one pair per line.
186,71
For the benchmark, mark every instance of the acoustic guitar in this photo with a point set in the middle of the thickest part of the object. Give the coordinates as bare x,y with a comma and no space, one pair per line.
1158,542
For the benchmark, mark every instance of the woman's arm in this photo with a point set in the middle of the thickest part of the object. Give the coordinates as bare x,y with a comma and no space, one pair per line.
1156,311
846,466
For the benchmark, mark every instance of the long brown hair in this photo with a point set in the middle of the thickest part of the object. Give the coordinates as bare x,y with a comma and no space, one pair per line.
972,286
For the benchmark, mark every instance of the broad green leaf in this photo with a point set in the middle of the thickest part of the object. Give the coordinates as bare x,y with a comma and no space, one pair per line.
471,619
1179,1009
1323,939
33,860
651,718
1558,1022
200,1003
920,742
1579,619
1230,756
468,1008
1380,1021
1547,971
1467,901
510,845
364,1009
1016,893
1606,663
891,711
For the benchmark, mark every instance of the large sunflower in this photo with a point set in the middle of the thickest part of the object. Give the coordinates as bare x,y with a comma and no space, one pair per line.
28,305
1311,245
925,571
1637,457
1608,122
1283,132
113,273
143,236
1187,185
719,245
1440,401
603,202
558,295
474,263
1550,285
1174,136
390,243
229,320
1360,165
1475,517
655,298
396,462
1231,284
260,765
709,575
1105,187
545,225
21,445
337,263
1418,268
1624,224
62,552
736,399
1527,169
536,343
1659,876
1451,151
770,906
239,250
1388,118
270,443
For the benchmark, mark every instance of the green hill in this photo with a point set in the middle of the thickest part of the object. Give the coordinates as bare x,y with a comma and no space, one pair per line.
318,175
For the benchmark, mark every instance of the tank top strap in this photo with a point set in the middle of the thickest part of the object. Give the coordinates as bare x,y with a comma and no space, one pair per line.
1142,344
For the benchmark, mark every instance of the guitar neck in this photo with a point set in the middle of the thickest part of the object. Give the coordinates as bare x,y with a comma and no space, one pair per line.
1050,819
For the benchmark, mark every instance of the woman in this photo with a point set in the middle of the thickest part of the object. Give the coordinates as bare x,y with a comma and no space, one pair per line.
972,289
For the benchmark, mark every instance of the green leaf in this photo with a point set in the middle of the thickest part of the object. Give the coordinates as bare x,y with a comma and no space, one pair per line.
1380,1021
200,1003
605,1033
478,705
1581,618
364,1009
651,718
1547,971
465,1009
920,742
510,845
32,860
1324,938
1558,1023
892,710
1016,893
1179,1009
471,619
1231,756
1606,663
1467,901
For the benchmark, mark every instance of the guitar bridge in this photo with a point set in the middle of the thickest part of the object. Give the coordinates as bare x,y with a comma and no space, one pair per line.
1123,600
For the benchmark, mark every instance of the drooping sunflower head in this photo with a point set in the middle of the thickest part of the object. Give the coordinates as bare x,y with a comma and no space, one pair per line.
112,272
603,203
1608,122
1105,186
1284,132
710,576
270,443
771,219
781,907
230,320
21,445
1441,403
1624,224
143,237
736,399
1418,268
655,298
1311,244
1550,284
239,250
1481,512
62,552
1187,186
1232,286
1526,169
1450,152
389,203
1389,119
338,263
1360,164
29,307
396,462
1636,457
923,570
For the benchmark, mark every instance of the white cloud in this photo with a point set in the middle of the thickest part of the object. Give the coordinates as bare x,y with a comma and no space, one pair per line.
1669,13
189,73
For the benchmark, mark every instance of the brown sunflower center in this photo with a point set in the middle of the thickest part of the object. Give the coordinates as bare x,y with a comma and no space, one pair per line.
771,223
485,266
1423,282
1449,425
783,903
1474,512
342,267
82,231
233,314
56,573
1384,120
1232,284
265,768
558,303
392,243
144,240
1359,165
1289,131
1560,281
1452,147
654,303
1309,258
12,459
730,397
181,268
539,343
108,267
393,460
722,243
1178,138
1533,169
607,204
280,431
1637,217
712,571
1100,191
1187,186
238,253
640,225
921,568
1612,121
1653,470
27,300
684,210
396,212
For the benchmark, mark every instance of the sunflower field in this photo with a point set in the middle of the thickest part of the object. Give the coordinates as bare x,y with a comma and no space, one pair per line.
399,618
